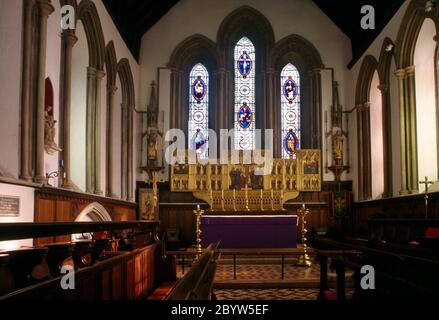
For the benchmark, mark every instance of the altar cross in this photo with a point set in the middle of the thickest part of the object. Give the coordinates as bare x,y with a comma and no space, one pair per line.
426,183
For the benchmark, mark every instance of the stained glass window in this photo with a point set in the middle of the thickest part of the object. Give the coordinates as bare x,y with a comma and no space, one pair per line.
198,126
245,116
290,111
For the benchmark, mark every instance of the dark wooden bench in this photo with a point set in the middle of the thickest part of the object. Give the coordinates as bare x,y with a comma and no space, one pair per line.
197,284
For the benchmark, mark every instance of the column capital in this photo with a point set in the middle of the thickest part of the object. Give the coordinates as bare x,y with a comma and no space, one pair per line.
221,71
69,37
28,4
45,7
91,72
100,74
400,73
410,70
363,106
270,71
112,89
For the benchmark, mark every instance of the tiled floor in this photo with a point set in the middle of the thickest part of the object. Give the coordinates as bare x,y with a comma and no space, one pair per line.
260,279
271,294
267,294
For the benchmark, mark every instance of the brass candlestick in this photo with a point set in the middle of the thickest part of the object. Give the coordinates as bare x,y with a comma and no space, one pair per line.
198,249
246,198
304,259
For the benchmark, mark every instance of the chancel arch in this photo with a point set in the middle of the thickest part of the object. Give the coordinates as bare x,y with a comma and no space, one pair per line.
196,49
302,54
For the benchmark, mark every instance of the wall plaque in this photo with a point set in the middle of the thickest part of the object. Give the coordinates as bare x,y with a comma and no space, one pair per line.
9,206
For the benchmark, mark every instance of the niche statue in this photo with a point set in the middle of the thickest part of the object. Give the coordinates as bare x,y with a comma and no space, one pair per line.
49,131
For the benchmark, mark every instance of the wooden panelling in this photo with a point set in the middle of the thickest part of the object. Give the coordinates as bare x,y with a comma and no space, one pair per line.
412,206
56,205
127,276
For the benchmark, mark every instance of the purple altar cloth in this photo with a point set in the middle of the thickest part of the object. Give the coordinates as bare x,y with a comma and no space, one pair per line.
250,231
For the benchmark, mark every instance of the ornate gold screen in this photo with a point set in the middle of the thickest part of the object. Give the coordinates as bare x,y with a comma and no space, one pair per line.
237,187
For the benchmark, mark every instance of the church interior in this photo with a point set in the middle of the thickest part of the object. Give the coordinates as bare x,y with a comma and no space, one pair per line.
219,150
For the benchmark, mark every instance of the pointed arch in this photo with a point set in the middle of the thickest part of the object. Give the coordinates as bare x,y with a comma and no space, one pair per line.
246,22
111,69
111,64
194,49
198,125
128,104
387,55
89,16
95,212
307,59
305,52
409,30
406,41
368,68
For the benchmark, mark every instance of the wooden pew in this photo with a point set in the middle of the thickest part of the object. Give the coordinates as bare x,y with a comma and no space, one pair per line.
398,273
197,284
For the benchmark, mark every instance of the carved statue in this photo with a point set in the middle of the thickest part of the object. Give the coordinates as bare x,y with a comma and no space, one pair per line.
152,150
49,131
337,147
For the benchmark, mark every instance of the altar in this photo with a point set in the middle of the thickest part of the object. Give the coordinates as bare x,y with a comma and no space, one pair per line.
250,231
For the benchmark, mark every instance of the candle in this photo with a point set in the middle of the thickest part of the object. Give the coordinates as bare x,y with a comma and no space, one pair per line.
272,194
222,194
234,193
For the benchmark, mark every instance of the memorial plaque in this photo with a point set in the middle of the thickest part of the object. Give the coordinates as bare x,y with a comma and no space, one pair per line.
9,206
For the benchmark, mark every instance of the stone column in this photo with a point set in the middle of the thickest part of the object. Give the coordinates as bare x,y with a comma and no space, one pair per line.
367,152
111,90
130,195
173,121
316,107
90,130
97,134
25,168
413,144
45,9
270,106
68,40
221,74
360,151
387,140
124,157
400,75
